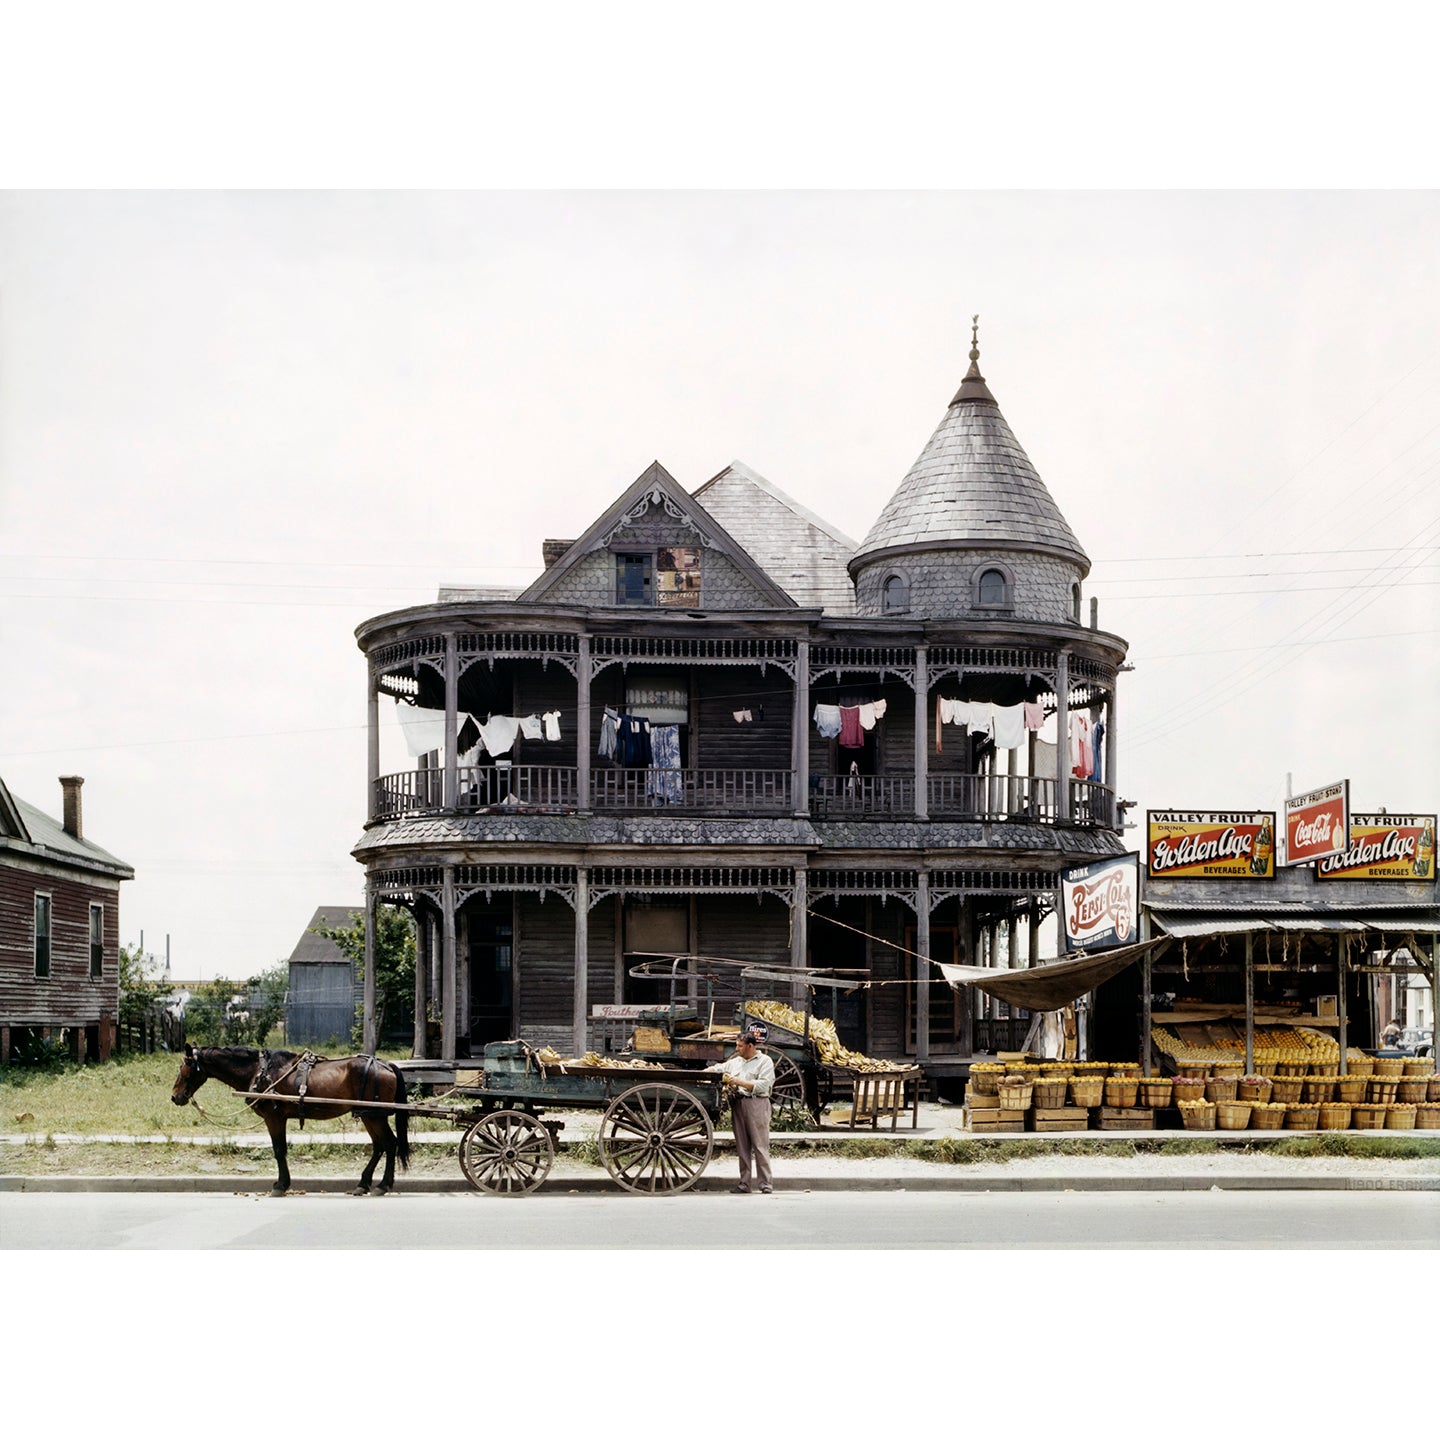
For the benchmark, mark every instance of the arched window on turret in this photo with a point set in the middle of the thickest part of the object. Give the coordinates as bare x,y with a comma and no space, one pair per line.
1075,599
895,595
994,588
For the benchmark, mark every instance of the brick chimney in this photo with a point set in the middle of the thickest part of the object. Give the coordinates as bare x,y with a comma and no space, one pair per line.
71,784
554,549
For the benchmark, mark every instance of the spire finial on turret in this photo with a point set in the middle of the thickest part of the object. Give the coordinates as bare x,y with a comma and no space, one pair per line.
973,386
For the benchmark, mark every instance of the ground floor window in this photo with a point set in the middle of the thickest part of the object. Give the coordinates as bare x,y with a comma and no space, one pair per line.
42,937
97,940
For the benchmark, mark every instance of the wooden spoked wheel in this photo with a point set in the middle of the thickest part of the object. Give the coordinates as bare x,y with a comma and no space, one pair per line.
507,1153
656,1139
787,1097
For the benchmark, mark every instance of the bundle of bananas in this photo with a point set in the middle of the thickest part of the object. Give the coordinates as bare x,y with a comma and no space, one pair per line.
822,1034
551,1059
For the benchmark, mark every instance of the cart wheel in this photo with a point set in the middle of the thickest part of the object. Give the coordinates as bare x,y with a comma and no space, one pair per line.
656,1139
788,1095
507,1153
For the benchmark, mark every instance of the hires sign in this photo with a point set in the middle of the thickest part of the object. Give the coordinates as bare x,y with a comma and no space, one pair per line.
1100,903
1317,824
1233,844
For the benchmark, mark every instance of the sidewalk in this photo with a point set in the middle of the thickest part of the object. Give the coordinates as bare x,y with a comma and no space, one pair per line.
802,1161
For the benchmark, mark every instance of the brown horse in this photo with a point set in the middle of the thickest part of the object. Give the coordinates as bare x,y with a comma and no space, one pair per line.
283,1072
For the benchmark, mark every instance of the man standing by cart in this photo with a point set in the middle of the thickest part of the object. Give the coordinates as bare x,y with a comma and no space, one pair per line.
749,1076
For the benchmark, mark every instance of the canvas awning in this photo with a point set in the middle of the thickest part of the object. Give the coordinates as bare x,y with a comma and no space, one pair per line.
1053,985
1190,925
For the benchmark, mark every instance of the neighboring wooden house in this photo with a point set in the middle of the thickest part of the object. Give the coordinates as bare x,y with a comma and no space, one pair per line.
740,625
59,928
323,994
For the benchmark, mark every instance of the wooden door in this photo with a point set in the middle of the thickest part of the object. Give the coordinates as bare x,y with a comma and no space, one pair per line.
945,1009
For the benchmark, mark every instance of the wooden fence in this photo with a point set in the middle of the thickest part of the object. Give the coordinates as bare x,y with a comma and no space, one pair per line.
155,1030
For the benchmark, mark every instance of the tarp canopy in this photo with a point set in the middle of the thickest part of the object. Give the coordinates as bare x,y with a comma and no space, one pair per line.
1050,986
1190,924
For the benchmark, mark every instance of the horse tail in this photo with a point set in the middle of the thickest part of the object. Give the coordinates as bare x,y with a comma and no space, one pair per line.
402,1120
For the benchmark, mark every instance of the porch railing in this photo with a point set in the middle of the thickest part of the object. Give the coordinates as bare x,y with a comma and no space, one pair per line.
871,795
992,797
540,787
719,792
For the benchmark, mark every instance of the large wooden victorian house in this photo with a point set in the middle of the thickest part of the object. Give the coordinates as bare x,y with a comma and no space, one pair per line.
715,725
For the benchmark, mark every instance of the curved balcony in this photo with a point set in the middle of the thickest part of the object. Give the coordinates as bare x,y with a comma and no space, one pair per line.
554,789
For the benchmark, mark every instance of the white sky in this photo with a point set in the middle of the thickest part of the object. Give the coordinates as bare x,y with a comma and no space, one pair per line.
236,425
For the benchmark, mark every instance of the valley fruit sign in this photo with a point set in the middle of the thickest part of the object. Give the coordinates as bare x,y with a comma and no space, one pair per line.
1101,903
1317,824
1384,847
1201,844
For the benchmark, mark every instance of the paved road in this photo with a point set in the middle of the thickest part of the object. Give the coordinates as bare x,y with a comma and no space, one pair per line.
820,1221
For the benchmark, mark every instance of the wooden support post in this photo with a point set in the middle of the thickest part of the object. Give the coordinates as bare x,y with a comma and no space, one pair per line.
922,731
1112,756
1250,1003
582,725
367,1025
1062,738
581,1012
452,758
1342,980
800,730
422,945
372,751
1146,1004
447,966
922,969
799,935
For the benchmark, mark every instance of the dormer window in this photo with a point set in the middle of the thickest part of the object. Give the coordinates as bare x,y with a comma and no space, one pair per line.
669,576
993,589
895,595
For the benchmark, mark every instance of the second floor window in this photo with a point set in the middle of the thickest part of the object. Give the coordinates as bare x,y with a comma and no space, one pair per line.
897,595
97,940
42,937
633,582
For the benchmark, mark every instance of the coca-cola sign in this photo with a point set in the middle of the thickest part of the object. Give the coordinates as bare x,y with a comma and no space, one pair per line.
1317,824
1384,847
1208,844
1100,903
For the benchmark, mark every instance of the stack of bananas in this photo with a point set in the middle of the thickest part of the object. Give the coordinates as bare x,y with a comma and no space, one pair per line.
822,1033
551,1059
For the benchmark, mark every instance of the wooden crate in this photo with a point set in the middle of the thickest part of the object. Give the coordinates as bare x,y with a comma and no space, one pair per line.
987,1121
982,1102
1059,1122
650,1041
1115,1119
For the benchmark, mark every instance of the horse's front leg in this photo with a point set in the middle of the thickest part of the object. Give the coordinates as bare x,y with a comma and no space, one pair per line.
275,1124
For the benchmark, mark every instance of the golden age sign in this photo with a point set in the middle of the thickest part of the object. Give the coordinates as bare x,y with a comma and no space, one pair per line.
1384,847
1210,844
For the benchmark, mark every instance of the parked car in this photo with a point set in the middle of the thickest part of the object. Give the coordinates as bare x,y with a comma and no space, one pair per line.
1418,1042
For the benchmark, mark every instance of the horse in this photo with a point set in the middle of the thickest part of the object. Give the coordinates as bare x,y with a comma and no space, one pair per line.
283,1072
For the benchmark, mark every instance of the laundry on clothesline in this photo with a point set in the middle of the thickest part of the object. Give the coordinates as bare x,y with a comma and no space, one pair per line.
424,730
827,721
742,717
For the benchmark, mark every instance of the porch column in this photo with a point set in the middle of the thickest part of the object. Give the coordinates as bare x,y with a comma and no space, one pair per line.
1112,752
799,930
1146,1007
1250,1004
922,732
800,729
372,762
452,685
422,958
582,725
922,969
1062,738
581,1013
447,966
368,1025
1342,968
1033,933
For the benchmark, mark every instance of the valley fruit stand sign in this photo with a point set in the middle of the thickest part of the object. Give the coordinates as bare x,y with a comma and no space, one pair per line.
1384,847
1201,844
1317,824
1101,903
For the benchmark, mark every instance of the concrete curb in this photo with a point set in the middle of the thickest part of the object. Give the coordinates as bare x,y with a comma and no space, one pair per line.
712,1185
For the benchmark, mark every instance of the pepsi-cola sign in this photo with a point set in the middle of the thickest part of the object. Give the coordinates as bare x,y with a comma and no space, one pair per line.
1100,903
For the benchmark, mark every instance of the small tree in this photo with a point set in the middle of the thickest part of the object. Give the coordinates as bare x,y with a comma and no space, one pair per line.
394,957
138,990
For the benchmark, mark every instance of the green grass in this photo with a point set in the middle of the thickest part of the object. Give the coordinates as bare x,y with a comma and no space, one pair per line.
129,1096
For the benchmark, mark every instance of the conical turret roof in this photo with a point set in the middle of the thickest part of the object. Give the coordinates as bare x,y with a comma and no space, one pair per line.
972,485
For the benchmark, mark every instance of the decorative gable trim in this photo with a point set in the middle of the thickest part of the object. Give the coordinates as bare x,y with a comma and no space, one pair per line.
658,487
12,825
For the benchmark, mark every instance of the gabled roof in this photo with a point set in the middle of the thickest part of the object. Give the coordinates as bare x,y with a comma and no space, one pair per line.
972,485
28,831
313,949
658,487
802,553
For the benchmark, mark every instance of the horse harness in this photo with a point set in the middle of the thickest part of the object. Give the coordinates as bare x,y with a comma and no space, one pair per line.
303,1064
